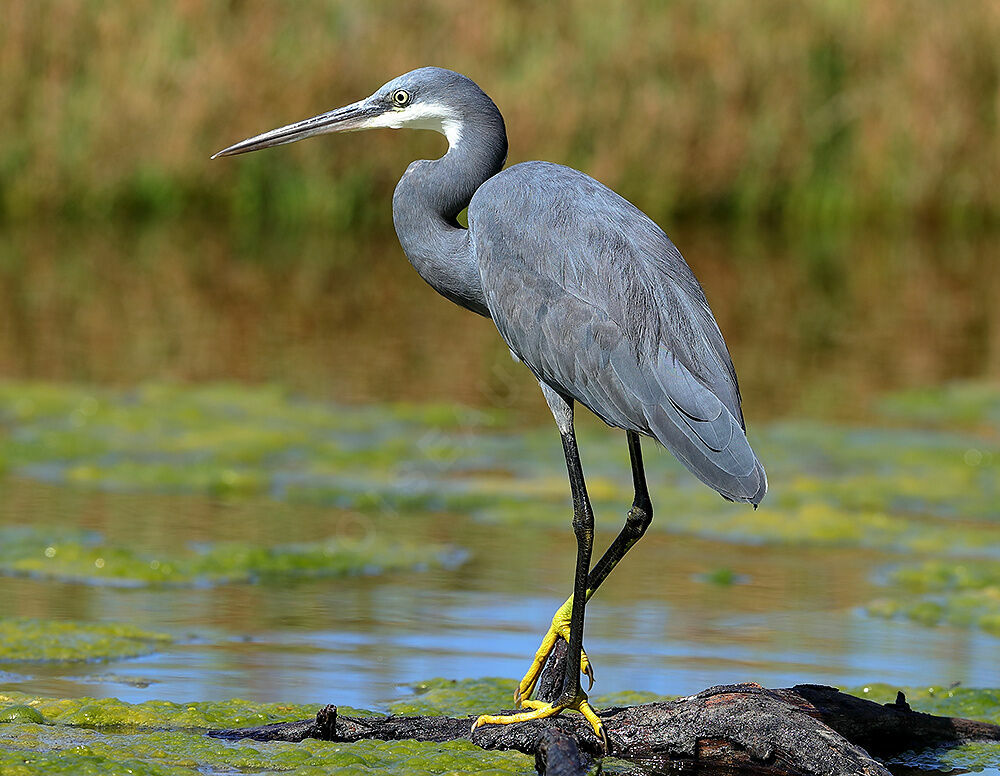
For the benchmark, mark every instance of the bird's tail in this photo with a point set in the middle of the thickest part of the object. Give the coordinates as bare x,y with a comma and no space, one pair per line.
717,452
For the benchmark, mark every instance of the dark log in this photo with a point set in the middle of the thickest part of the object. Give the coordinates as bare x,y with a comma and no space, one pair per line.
807,730
890,729
558,754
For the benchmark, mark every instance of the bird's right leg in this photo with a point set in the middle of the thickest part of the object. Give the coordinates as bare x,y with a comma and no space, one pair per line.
572,695
636,522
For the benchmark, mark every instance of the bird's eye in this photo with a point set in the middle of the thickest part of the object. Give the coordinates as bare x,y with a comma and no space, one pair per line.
400,97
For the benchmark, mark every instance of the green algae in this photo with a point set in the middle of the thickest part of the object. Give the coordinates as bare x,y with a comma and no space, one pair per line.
820,524
937,592
831,485
52,750
159,714
158,737
29,640
215,439
19,713
451,697
87,735
723,577
936,576
73,556
967,757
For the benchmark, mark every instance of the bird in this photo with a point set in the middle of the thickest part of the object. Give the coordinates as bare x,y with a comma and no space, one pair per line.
587,292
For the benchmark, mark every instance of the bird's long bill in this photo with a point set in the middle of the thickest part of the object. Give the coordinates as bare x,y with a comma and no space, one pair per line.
344,119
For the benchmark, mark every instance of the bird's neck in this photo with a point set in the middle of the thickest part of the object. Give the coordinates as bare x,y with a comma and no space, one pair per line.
428,199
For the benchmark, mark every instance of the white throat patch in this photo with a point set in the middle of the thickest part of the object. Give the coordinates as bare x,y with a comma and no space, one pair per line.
433,115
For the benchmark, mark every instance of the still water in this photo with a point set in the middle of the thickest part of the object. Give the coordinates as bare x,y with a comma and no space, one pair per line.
658,625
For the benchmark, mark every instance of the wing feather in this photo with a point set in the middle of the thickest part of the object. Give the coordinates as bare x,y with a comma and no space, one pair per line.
594,298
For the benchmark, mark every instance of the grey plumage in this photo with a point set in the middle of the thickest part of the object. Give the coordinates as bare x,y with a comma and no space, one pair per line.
585,290
601,306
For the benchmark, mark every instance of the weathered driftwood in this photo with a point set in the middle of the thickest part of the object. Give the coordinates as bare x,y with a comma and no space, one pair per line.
806,730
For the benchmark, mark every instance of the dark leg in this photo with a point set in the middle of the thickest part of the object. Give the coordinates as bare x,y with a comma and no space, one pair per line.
583,527
568,622
636,522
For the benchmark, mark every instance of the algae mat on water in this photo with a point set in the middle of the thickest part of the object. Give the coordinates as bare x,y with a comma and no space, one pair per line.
88,736
26,640
925,482
76,556
85,736
964,594
233,440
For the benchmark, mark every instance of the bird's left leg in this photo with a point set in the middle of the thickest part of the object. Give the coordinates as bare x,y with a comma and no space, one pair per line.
572,695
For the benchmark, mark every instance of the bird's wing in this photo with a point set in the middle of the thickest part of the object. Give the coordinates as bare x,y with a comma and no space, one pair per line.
594,298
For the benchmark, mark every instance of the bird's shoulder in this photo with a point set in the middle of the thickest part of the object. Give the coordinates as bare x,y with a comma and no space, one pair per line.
538,184
561,224
560,220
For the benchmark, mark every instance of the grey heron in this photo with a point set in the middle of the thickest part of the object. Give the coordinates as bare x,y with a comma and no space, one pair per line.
586,291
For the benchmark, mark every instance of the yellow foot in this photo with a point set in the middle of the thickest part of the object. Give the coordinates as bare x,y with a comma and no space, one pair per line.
540,710
559,629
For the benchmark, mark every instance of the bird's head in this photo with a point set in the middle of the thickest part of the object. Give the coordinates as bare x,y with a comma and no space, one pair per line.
427,98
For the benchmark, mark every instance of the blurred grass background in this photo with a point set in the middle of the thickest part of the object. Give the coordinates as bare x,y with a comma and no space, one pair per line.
824,112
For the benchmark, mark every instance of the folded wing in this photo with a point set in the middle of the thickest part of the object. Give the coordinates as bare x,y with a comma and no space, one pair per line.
594,298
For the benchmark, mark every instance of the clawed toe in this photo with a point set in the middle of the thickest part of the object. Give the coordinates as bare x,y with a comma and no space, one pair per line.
559,629
543,710
534,709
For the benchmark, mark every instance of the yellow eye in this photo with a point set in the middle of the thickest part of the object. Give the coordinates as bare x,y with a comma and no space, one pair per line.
400,97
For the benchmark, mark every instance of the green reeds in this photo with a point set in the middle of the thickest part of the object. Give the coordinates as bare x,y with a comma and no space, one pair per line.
816,113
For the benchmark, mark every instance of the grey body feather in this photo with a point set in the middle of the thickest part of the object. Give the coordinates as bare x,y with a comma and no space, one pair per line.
585,289
594,298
